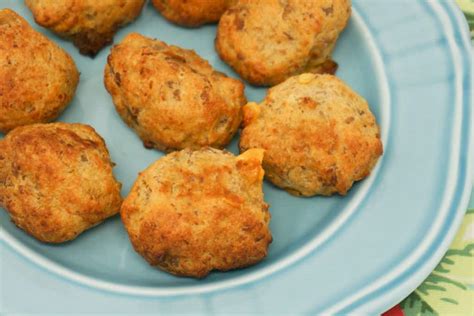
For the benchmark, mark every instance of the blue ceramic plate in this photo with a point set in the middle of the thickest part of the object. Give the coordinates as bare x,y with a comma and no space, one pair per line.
360,253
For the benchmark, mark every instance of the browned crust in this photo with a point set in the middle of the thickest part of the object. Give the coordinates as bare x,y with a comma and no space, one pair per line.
90,42
319,136
89,24
38,78
192,212
192,13
56,180
172,97
267,41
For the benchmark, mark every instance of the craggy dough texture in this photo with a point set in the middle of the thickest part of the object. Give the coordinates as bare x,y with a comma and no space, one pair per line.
193,212
192,13
319,136
172,97
267,41
38,79
90,24
56,180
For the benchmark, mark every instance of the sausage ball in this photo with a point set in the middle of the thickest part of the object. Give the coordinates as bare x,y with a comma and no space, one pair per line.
38,78
192,13
319,136
267,41
90,24
192,212
172,97
56,180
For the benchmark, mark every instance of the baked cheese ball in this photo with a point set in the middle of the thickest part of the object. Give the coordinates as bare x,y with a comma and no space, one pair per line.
192,13
38,78
90,24
267,41
192,212
56,180
319,136
171,97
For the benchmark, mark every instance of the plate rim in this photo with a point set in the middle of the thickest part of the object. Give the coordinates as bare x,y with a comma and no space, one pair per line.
452,19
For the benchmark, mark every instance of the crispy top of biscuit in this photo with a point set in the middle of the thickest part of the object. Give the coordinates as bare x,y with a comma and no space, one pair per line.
91,24
172,97
266,41
195,211
56,180
319,136
192,12
37,77
334,15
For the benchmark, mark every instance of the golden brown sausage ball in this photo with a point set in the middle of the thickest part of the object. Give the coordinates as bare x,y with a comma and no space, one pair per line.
192,12
171,97
192,212
56,180
38,79
90,24
267,41
319,136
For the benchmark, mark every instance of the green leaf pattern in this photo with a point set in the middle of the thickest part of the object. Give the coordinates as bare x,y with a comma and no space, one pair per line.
467,6
449,290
